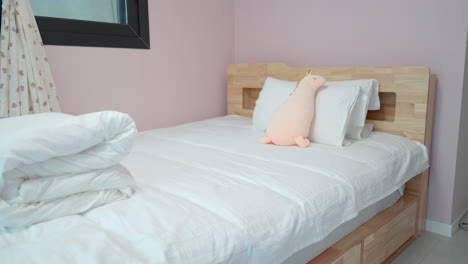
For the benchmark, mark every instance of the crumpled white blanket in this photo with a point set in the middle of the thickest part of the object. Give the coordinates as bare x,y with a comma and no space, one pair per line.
53,165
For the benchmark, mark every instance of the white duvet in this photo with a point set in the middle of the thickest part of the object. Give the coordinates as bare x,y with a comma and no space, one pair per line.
54,164
208,192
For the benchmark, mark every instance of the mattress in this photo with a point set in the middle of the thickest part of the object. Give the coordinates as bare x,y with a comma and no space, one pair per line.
208,192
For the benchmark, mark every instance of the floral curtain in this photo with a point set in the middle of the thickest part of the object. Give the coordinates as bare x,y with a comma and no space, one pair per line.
26,83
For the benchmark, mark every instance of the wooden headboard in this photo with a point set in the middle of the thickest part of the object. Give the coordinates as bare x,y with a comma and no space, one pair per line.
406,95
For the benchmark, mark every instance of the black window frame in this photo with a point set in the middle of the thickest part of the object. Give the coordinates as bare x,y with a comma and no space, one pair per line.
71,32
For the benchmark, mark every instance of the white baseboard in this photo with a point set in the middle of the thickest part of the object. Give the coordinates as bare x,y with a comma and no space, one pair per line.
444,229
439,228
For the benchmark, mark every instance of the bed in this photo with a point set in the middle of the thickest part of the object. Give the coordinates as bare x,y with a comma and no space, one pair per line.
407,97
209,193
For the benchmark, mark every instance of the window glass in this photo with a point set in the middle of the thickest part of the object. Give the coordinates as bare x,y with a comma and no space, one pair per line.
109,11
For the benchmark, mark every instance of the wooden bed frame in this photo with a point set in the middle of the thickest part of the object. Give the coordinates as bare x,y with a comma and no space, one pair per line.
407,107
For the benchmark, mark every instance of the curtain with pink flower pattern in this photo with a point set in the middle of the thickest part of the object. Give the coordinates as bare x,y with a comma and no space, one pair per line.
26,83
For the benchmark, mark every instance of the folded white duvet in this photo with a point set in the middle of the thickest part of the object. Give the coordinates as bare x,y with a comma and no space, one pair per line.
54,164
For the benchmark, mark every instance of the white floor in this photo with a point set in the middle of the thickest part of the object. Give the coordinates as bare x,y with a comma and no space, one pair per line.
431,248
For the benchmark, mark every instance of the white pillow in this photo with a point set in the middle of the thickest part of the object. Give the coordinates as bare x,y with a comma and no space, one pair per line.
354,133
366,130
374,103
367,94
273,94
333,109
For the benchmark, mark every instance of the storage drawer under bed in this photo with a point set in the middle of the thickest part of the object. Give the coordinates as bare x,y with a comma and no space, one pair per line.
378,239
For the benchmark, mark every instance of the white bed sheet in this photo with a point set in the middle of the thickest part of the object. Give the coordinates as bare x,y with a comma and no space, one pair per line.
208,192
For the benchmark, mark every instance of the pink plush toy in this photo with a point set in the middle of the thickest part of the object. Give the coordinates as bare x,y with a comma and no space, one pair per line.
290,123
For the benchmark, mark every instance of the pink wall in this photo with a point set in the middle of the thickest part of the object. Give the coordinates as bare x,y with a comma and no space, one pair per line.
460,200
181,79
370,33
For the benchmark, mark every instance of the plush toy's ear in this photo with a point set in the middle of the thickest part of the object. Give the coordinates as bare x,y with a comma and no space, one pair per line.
309,71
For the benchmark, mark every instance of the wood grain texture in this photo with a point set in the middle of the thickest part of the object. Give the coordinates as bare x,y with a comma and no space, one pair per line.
335,256
389,237
410,84
399,250
352,256
418,185
407,97
369,232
